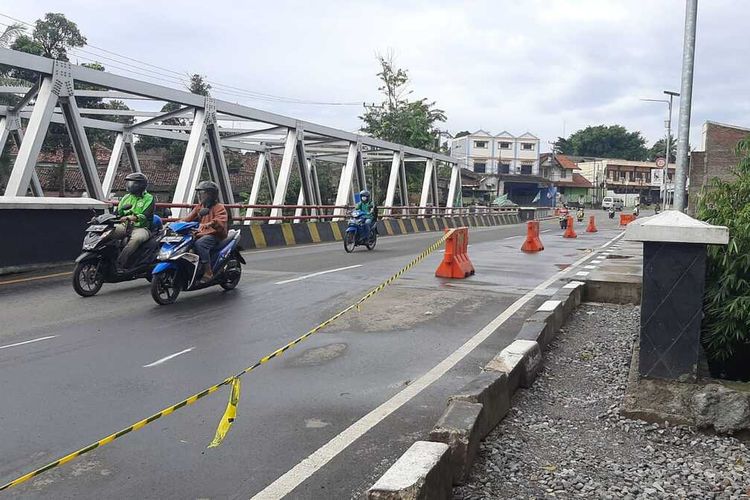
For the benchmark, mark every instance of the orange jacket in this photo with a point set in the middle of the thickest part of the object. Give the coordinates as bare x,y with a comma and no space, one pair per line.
212,224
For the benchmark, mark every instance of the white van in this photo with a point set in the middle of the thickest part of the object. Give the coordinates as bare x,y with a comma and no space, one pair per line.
611,201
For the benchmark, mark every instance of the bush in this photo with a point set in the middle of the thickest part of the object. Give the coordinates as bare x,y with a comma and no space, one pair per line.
726,322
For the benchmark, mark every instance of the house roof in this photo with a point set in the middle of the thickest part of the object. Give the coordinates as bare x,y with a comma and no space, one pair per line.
482,133
577,181
528,135
562,160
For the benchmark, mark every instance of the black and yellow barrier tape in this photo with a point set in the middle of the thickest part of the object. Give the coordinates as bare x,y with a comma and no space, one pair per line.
230,413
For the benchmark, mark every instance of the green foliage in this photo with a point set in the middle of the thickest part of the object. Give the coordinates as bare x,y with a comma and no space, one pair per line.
397,119
10,33
605,142
56,35
463,133
657,150
726,322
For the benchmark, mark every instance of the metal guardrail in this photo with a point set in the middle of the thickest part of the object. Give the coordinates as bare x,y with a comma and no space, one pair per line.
328,212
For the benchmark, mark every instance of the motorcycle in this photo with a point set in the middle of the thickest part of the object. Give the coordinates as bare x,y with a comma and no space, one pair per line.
357,233
178,266
563,219
636,211
97,264
611,213
580,215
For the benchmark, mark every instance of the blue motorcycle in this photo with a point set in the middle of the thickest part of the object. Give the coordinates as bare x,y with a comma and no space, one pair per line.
178,268
357,233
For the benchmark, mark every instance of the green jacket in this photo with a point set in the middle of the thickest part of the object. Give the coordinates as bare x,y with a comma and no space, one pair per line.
142,208
367,208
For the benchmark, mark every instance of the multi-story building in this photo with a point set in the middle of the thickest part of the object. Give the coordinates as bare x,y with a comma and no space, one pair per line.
504,153
626,177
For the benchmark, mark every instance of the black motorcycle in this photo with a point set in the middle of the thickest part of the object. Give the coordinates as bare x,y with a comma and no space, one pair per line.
611,213
98,262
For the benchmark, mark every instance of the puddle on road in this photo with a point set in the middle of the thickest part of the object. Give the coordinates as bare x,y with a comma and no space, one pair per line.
562,266
318,355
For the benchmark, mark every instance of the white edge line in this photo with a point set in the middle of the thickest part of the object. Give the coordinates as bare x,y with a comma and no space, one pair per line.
300,278
28,342
286,483
167,358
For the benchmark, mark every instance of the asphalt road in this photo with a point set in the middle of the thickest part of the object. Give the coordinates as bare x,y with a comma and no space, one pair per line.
73,370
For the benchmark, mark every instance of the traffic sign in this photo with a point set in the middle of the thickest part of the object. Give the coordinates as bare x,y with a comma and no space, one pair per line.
661,162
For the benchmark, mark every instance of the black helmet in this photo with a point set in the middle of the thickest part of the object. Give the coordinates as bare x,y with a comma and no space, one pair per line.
211,189
136,183
364,196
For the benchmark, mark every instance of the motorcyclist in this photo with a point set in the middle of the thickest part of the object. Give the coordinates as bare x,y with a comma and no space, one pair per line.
135,208
213,226
637,209
580,214
368,209
657,208
611,212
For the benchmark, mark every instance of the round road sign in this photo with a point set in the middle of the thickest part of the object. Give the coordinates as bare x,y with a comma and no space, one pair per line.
661,162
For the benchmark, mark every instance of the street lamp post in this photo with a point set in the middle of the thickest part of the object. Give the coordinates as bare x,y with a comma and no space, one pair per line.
667,143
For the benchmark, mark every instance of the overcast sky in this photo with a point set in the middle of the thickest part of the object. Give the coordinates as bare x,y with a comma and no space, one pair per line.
543,66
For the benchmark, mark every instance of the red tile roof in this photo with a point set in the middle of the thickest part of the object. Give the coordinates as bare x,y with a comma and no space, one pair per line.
577,181
566,162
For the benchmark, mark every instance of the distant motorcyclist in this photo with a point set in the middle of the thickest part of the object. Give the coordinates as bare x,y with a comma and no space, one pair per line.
657,208
580,214
637,210
137,209
213,225
611,212
368,209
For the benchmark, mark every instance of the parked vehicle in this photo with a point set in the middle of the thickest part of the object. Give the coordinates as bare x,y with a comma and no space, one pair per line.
611,201
178,266
357,233
98,262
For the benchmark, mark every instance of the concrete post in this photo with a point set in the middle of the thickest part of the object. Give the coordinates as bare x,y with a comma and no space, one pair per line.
674,275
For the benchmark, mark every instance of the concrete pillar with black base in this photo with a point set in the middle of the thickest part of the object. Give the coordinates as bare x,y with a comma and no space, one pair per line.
674,275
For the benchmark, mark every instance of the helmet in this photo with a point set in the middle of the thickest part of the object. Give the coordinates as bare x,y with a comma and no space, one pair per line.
136,183
211,190
364,196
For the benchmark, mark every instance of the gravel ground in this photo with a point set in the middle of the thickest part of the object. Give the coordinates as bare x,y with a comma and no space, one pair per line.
564,437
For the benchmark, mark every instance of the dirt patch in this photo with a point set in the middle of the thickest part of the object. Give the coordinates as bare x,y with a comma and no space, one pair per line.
318,355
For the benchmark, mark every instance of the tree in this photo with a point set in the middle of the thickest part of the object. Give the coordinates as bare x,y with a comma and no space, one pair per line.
657,150
10,33
606,142
397,119
199,85
463,133
726,304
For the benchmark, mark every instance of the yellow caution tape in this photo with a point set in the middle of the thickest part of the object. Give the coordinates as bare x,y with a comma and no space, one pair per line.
230,413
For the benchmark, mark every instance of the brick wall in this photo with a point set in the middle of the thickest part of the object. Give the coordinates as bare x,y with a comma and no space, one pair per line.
717,160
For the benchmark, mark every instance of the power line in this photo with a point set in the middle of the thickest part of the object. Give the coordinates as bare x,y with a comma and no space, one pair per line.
216,86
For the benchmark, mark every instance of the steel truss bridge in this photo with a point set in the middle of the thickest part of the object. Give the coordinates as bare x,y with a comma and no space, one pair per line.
211,129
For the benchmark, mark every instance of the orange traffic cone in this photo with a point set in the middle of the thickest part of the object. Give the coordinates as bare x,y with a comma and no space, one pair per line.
456,263
569,231
532,243
592,225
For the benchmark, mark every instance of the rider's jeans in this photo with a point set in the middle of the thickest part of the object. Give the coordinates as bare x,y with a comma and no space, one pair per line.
138,236
368,225
203,247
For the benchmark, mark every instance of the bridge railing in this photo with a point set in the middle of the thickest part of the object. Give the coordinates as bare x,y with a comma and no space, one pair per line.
292,213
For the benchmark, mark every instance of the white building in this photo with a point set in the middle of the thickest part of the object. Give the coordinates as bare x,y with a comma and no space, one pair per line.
503,153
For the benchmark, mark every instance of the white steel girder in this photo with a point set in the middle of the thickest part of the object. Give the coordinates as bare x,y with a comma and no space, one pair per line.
429,186
345,181
284,173
395,178
10,126
192,163
263,168
454,186
36,130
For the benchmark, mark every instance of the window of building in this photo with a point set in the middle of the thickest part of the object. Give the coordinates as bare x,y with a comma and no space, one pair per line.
504,145
564,173
622,175
505,168
526,146
480,144
526,169
480,168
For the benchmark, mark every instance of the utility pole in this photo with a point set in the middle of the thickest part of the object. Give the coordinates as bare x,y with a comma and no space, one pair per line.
686,98
668,144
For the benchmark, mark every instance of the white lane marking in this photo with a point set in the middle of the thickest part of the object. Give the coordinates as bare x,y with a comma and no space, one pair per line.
27,342
596,261
300,278
589,267
167,358
511,237
582,273
286,483
546,231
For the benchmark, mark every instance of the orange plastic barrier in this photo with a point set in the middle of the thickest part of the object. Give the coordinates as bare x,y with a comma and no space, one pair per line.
456,263
569,231
592,225
533,243
626,219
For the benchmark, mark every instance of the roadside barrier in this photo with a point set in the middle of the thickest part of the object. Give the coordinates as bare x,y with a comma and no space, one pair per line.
533,242
626,219
569,231
592,225
456,263
230,414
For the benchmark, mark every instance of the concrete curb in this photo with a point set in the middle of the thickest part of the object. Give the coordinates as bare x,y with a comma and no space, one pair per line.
423,472
482,403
